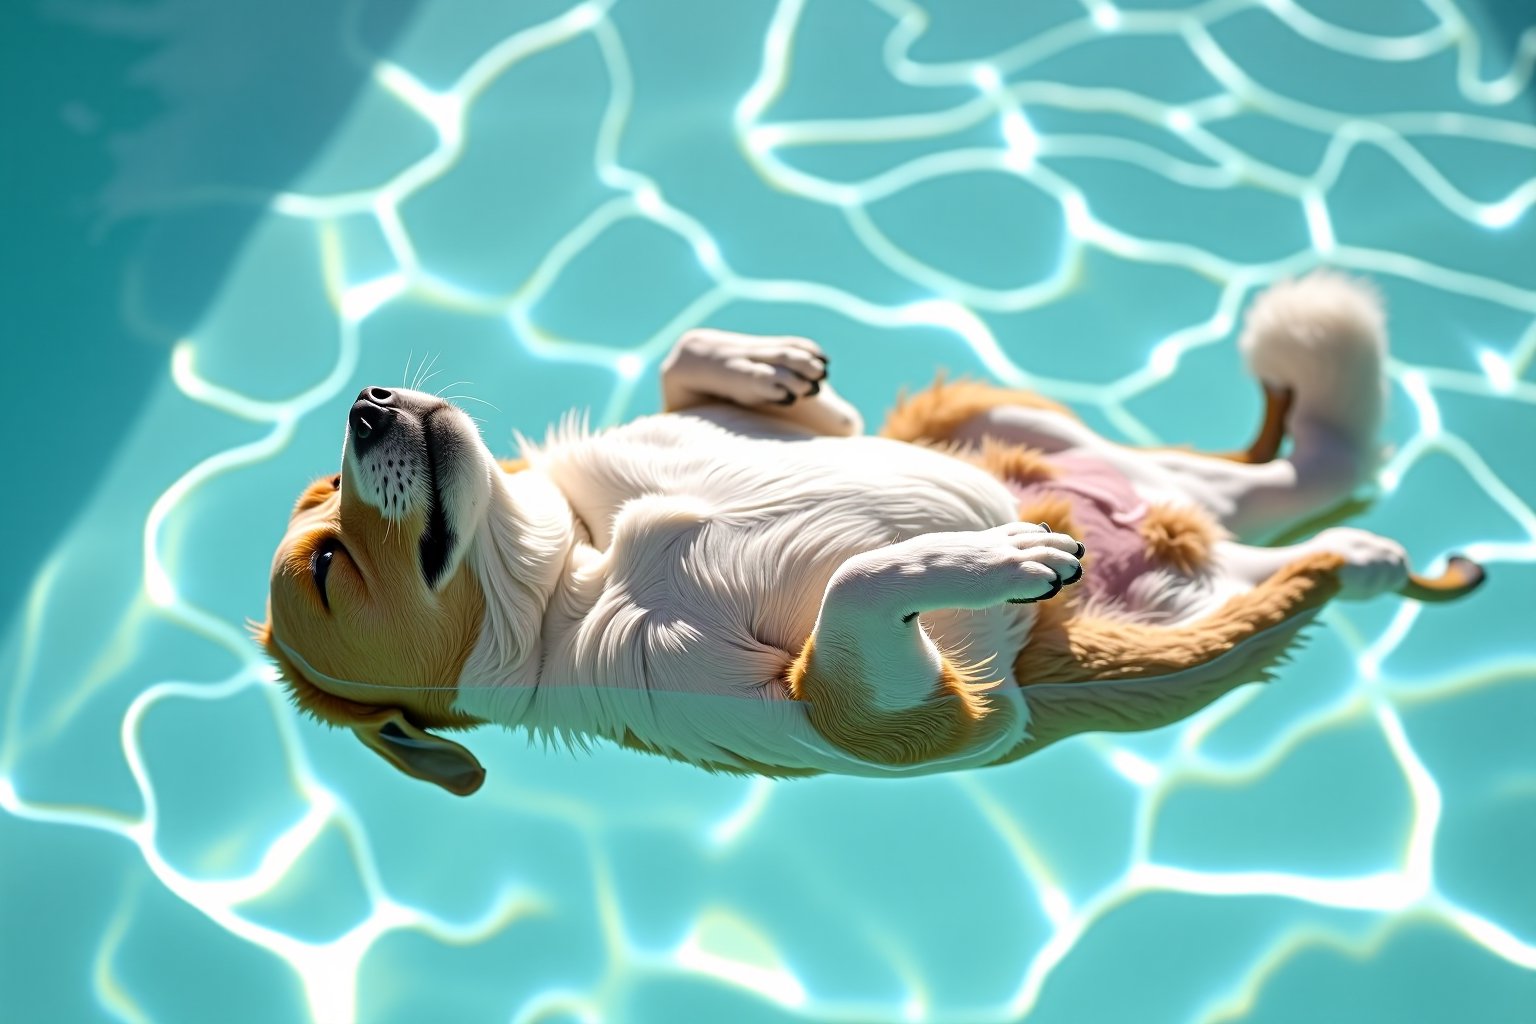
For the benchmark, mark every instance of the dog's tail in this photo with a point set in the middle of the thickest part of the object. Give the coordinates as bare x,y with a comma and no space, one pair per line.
1322,338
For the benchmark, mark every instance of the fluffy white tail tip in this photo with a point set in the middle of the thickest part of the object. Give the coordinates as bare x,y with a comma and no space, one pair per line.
1324,337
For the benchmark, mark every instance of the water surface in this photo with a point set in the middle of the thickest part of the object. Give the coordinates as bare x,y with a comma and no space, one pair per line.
533,201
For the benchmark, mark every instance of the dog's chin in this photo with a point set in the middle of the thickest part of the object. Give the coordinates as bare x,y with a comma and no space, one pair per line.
460,471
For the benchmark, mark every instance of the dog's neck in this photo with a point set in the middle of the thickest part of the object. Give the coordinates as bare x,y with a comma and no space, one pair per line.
520,554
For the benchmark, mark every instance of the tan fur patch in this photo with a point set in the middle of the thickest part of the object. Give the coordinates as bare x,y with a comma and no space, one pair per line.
842,709
1075,649
1180,536
1110,668
1015,463
935,414
1053,509
384,627
317,493
305,695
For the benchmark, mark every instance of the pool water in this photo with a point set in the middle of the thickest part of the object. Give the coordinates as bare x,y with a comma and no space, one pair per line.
528,203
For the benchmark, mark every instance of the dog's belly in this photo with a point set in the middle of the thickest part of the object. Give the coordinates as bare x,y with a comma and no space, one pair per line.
756,467
712,552
778,512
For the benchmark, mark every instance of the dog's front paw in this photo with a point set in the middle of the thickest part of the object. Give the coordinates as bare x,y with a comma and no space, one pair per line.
1372,564
1017,563
745,369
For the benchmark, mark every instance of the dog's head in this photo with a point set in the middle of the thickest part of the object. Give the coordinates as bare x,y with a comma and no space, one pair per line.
373,610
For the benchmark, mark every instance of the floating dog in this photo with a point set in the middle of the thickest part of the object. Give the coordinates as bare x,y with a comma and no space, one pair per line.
748,583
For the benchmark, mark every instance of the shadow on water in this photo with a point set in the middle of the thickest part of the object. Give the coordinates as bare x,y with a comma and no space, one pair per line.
1509,19
140,143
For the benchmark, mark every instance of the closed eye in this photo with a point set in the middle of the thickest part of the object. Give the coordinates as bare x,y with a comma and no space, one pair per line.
320,566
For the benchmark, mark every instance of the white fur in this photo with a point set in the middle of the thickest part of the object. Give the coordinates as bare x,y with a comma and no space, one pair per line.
392,477
656,580
1324,337
519,553
866,630
709,553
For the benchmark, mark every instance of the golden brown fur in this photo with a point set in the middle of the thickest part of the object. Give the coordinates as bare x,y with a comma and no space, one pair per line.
382,624
1055,509
1076,649
431,668
840,704
1105,680
1180,536
1013,463
934,414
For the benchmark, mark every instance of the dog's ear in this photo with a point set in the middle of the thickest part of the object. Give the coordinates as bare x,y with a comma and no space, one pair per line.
419,753
386,731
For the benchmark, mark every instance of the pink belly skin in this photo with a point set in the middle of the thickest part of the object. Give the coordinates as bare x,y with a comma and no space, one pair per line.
1107,514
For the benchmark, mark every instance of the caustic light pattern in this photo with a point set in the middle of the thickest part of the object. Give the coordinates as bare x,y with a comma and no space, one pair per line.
1185,156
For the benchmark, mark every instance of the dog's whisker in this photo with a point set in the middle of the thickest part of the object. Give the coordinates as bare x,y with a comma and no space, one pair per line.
470,398
478,420
471,415
445,387
427,373
428,378
406,373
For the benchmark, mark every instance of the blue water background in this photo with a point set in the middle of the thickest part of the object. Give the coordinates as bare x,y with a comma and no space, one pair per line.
225,220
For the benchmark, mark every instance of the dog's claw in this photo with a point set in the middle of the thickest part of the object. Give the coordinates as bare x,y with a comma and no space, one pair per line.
1055,589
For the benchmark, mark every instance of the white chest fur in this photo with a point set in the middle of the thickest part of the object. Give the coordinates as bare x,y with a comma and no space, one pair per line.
713,537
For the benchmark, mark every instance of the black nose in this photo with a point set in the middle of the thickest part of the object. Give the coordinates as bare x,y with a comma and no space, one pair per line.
371,417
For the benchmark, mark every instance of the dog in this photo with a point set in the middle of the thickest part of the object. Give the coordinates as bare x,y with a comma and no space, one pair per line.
748,583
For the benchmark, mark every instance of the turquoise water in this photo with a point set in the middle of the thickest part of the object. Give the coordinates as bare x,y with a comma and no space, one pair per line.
534,200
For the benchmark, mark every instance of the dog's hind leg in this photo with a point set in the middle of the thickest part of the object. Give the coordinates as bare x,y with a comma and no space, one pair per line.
1085,673
1318,347
1082,673
1372,565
